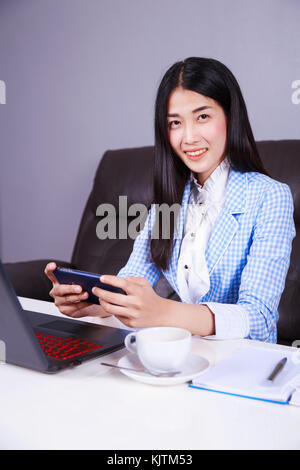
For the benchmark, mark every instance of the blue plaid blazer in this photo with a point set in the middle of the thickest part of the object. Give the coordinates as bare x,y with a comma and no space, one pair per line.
248,253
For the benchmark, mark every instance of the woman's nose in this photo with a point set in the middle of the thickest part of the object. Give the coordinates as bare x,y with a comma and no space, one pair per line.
191,135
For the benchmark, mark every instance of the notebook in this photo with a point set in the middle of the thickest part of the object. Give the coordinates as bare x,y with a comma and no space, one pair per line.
245,374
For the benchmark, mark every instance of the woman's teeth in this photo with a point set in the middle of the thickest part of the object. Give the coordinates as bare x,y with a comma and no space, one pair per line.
193,154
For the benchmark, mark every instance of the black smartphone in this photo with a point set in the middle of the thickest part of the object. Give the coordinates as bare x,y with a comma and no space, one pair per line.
86,280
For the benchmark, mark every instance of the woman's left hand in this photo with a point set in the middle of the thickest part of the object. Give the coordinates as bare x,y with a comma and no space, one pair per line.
140,308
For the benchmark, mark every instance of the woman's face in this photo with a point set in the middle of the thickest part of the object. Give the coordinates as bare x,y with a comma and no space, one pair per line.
197,131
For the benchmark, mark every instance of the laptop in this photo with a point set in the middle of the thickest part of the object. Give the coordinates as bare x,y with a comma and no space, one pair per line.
47,343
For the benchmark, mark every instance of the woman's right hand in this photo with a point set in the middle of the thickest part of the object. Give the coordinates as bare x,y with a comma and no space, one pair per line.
69,298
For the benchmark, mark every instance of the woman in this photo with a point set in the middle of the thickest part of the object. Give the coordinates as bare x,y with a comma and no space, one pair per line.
229,249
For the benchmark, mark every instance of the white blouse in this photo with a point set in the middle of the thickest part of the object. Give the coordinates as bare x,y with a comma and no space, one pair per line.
205,205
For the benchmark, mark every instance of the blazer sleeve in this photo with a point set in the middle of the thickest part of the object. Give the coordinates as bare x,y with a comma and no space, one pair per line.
140,263
263,277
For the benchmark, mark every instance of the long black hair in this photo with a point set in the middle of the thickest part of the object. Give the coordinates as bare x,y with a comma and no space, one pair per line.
210,78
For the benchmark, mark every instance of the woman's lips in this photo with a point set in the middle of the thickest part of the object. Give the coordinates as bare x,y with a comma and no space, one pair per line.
196,154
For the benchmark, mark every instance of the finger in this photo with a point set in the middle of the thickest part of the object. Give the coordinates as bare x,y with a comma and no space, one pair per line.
113,280
49,272
115,309
90,310
80,310
84,309
61,290
128,286
111,297
70,299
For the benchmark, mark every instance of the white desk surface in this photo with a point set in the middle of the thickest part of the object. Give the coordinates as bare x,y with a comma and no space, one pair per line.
94,407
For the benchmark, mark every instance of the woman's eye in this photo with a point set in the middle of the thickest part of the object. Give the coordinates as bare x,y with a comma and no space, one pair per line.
173,124
203,116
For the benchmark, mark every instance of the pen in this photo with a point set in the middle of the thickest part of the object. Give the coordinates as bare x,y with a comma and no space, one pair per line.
277,369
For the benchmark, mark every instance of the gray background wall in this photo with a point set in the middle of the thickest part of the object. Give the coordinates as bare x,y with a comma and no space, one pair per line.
81,77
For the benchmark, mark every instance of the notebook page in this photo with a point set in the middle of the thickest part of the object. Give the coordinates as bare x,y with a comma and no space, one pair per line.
246,371
295,400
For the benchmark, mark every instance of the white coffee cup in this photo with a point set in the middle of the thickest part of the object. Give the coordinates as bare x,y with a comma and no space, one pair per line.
160,349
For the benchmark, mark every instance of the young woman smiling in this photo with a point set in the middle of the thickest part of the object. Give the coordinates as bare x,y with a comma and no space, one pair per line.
229,256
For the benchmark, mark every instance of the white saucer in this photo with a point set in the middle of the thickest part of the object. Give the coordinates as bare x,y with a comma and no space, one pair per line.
216,338
194,366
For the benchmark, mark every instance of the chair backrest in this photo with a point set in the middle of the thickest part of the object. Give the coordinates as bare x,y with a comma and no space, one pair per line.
282,160
129,172
126,172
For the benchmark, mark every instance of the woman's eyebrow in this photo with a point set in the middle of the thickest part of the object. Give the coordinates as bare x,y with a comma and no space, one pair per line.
201,108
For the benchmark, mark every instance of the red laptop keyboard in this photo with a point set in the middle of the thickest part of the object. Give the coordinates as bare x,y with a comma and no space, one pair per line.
65,348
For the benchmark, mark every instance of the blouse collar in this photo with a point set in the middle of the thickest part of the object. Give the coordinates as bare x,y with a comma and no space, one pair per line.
214,187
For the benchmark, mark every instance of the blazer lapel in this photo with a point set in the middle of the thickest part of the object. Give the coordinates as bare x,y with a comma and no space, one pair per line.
227,225
178,234
224,229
